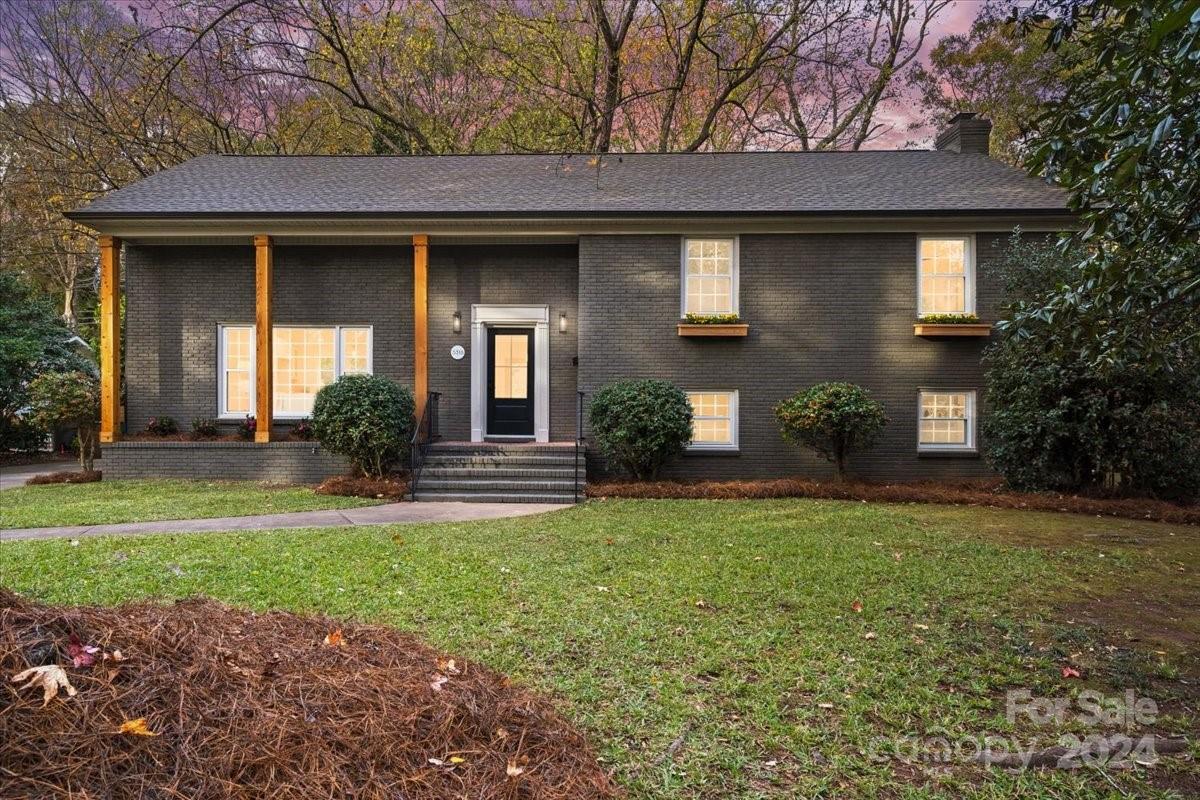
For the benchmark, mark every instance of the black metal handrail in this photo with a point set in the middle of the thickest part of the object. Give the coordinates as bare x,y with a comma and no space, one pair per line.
419,447
578,437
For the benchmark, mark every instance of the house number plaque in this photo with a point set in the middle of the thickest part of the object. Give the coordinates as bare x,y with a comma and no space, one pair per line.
457,352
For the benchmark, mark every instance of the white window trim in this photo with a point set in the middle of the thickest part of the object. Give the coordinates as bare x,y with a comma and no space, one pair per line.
222,412
972,422
968,240
714,447
226,415
735,269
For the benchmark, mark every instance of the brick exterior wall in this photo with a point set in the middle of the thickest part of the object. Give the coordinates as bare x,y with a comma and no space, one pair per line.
176,296
820,307
275,462
460,277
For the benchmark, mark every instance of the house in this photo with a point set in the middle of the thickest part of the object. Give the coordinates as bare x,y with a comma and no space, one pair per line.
509,284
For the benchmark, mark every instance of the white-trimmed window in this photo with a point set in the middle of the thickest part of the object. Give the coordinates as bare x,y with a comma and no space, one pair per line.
946,420
710,276
714,420
945,275
305,358
236,371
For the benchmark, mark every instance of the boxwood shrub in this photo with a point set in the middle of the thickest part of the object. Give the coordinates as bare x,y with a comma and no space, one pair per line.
641,424
368,419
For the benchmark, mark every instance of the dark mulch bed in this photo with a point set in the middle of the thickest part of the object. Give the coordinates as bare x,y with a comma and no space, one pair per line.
393,487
245,705
968,493
82,476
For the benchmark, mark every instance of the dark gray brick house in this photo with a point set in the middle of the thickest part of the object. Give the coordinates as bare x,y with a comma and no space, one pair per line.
508,284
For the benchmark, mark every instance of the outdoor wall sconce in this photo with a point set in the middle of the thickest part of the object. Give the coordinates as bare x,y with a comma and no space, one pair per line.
457,322
562,323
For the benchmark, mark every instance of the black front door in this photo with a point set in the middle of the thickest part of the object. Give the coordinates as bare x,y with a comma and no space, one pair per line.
510,382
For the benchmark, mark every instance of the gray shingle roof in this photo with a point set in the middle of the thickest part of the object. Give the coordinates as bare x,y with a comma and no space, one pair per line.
870,182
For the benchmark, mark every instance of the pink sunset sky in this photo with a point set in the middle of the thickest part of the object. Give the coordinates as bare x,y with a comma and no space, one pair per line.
900,115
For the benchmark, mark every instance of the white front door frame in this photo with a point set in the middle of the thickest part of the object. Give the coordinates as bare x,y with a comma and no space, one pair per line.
483,316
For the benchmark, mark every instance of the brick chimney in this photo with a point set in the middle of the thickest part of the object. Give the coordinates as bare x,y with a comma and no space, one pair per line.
967,133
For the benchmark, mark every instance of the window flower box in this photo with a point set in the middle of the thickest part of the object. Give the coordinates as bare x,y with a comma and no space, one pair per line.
723,325
955,325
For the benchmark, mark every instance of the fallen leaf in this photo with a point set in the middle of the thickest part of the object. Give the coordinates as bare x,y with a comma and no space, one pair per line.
115,655
603,589
438,681
826,706
1070,672
457,760
897,555
335,639
437,762
610,541
869,635
501,733
447,665
856,606
51,678
136,727
513,770
920,626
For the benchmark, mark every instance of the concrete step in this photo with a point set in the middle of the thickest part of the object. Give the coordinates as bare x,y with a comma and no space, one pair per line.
489,497
483,462
495,485
489,448
565,473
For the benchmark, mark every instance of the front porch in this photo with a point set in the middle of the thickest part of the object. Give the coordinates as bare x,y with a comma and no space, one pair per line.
425,315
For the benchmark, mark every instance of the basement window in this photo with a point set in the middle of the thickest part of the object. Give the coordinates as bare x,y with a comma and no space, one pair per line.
714,421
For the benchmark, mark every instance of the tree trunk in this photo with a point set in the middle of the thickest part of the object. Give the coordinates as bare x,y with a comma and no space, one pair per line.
840,463
68,313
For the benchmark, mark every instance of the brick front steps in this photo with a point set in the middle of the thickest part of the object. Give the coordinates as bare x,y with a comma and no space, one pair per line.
487,472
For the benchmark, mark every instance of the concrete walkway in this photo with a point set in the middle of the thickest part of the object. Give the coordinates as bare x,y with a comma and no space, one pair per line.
388,514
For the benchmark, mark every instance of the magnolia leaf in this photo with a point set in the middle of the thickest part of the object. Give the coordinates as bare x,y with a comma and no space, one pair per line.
51,678
136,727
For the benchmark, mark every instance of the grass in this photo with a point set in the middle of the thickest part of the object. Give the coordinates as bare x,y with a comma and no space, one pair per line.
142,501
711,649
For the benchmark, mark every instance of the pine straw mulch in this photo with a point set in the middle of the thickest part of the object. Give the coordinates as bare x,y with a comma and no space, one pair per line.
390,487
975,493
70,476
247,705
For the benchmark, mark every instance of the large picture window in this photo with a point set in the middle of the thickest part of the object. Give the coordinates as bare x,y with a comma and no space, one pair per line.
946,420
946,274
710,276
305,358
714,420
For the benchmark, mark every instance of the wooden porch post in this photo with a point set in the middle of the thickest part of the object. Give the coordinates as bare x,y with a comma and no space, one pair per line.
263,263
110,338
420,322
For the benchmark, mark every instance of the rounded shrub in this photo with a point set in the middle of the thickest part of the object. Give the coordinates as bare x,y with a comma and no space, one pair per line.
834,419
641,424
366,418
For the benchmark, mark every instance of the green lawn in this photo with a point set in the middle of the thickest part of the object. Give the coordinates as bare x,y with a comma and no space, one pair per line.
141,501
711,649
